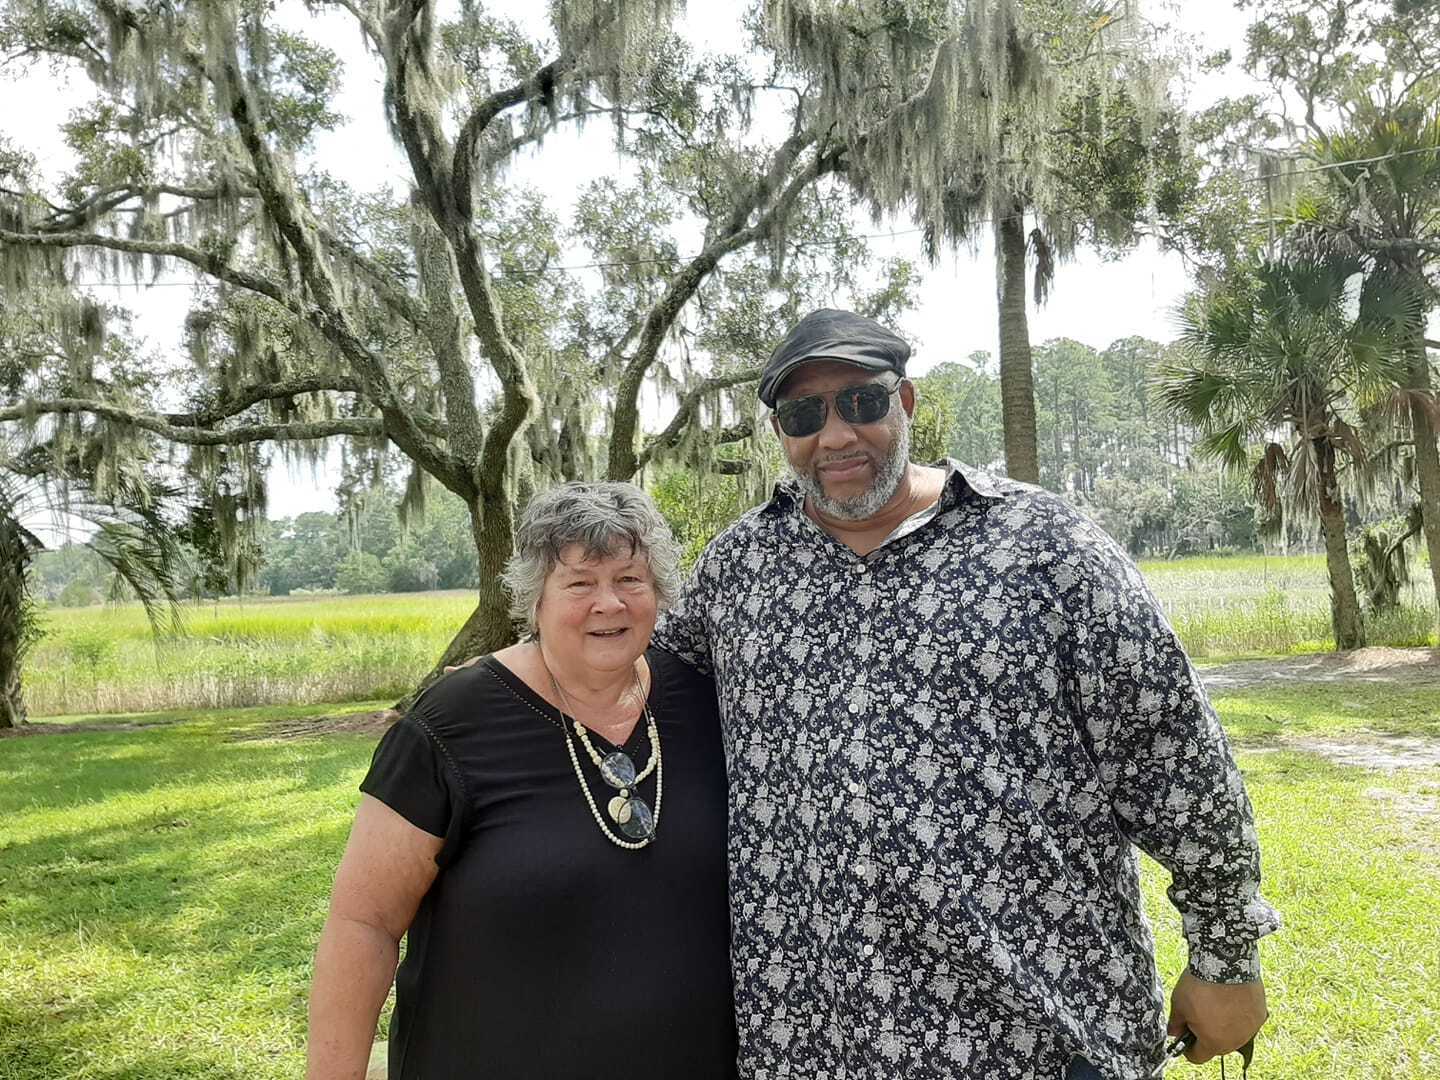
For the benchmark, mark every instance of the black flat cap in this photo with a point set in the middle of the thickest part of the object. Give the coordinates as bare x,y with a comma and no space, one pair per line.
829,334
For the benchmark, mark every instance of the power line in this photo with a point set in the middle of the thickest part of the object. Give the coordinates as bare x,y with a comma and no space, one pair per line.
1331,166
614,264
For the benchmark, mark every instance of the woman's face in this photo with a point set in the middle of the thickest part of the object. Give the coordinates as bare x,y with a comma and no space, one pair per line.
598,613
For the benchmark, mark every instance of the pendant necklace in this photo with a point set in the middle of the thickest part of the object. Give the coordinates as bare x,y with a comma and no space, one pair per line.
630,813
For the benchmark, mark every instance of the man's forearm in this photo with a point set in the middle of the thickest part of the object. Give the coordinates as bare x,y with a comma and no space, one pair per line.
354,967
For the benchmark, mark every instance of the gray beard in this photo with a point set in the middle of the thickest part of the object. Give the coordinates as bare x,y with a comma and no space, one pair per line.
888,475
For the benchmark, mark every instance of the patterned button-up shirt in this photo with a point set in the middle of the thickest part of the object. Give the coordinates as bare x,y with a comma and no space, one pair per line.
942,756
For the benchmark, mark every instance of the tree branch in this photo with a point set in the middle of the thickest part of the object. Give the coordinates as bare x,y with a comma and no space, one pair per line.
421,133
674,431
98,203
252,395
539,86
733,235
211,264
330,317
447,333
195,436
379,278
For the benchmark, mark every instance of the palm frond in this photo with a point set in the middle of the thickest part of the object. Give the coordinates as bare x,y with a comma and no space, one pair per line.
149,563
1227,446
1267,474
1301,492
1199,395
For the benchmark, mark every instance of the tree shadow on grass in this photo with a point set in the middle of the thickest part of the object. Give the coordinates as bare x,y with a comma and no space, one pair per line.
59,773
222,869
31,1050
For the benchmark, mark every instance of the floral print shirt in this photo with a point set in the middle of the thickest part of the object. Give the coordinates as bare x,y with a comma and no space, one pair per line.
942,756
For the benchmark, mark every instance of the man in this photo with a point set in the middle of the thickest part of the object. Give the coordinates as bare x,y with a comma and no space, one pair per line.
952,710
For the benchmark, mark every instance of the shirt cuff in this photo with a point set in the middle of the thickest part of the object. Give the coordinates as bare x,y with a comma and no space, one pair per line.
1225,949
1239,964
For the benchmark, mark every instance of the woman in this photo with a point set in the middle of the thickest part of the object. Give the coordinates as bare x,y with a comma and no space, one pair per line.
549,827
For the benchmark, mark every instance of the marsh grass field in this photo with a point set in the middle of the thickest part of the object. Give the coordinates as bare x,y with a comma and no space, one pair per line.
240,653
296,650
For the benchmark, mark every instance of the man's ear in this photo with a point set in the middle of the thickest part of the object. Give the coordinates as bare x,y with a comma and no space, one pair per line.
907,397
774,425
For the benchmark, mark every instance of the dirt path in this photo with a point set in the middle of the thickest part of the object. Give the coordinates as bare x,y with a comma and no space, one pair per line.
297,727
1407,668
1403,667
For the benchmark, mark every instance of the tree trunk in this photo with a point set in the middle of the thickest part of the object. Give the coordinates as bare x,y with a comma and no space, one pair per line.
1427,465
1017,377
489,626
14,618
1344,604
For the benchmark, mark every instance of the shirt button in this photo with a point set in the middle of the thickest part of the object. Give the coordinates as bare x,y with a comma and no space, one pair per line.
859,869
854,706
854,788
869,950
859,568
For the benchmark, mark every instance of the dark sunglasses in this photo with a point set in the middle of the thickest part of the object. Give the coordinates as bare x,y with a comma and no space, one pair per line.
863,404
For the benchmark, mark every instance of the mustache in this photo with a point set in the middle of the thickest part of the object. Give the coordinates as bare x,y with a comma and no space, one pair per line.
836,459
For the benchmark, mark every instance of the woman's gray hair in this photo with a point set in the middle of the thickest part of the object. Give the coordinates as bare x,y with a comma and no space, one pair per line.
604,518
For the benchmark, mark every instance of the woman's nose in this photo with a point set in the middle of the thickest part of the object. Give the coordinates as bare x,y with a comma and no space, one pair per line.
607,598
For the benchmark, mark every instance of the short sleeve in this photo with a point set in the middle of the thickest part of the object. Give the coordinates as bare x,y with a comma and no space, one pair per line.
409,774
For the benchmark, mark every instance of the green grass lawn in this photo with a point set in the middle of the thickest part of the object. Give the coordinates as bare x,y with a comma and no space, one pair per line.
1344,708
161,890
160,894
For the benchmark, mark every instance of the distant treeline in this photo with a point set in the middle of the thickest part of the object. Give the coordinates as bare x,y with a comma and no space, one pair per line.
364,551
1102,443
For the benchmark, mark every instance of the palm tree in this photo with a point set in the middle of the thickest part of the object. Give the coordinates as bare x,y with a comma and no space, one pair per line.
1382,199
133,528
1274,359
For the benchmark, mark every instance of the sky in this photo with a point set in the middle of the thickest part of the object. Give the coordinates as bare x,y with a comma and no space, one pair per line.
1094,300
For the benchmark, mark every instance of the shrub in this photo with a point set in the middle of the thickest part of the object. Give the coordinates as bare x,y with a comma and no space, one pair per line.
91,651
78,594
407,570
361,572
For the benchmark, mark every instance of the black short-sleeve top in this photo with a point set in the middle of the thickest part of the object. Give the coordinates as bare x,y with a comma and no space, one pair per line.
543,949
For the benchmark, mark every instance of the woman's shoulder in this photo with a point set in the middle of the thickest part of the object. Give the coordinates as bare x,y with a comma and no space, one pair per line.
448,706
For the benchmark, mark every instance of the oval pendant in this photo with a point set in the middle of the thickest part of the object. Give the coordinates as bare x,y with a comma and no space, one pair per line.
618,770
619,809
640,825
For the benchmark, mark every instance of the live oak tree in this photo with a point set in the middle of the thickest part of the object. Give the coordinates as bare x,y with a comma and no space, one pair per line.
429,322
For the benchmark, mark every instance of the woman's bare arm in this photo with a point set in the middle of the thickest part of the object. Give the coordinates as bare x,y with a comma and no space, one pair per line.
387,868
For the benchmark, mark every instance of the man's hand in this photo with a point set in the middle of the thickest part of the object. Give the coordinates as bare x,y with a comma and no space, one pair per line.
463,664
1223,1016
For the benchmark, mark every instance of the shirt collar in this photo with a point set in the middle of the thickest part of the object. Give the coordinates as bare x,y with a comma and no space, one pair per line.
960,480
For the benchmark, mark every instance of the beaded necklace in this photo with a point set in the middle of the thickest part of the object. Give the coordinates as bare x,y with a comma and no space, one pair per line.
629,812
